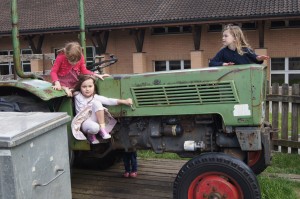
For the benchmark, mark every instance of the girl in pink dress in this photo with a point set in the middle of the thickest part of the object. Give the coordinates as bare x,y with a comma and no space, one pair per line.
68,65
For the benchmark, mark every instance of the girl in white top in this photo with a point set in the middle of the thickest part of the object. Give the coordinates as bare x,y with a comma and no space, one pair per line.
85,95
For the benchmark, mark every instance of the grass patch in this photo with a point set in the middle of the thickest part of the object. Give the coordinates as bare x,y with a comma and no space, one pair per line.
144,154
277,188
285,163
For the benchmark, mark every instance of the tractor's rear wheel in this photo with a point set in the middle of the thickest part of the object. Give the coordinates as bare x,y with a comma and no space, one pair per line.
216,175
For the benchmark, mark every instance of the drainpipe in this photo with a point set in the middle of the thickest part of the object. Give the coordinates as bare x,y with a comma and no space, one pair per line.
16,43
82,27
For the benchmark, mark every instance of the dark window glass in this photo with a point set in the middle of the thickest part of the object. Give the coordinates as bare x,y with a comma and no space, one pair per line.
26,64
174,65
215,28
249,26
160,66
187,29
89,55
294,63
4,69
277,64
294,23
277,78
173,29
3,52
159,30
294,79
277,24
187,64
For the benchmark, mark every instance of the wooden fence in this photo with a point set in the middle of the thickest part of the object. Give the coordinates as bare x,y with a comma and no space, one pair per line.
284,110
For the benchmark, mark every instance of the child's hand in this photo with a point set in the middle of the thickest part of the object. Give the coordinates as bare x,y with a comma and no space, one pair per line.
128,101
57,86
101,76
262,57
68,91
228,64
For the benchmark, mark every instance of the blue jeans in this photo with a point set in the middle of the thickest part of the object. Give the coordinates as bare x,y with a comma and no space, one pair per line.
130,162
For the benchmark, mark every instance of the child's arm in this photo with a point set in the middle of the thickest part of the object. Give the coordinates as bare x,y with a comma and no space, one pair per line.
217,60
262,57
127,102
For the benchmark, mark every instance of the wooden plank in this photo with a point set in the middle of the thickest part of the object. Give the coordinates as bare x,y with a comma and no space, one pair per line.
284,117
155,180
275,111
295,113
280,98
27,57
286,143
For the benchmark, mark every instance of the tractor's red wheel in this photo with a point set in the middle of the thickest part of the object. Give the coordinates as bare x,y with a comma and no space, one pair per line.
214,185
217,176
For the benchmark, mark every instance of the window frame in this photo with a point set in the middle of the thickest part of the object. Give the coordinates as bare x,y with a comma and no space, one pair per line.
286,72
182,64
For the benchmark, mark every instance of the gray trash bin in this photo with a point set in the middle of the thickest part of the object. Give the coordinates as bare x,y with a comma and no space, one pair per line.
34,158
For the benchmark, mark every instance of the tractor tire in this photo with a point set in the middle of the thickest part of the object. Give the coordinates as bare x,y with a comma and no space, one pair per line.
216,175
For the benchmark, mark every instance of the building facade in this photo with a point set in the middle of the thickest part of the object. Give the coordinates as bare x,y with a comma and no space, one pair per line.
164,44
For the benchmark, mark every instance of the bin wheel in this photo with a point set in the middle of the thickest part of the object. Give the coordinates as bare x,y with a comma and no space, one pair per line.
216,175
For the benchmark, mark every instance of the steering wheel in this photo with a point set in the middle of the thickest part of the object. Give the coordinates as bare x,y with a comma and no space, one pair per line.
102,64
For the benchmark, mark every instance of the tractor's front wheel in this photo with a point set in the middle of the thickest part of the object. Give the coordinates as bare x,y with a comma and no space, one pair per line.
216,175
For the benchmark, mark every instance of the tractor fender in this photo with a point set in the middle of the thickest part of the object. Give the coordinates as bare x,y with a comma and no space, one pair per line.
41,89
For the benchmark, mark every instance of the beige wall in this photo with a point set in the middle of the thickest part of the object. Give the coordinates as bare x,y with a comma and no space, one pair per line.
278,43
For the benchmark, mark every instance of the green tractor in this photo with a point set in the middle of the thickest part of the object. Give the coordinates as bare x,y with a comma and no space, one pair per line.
215,116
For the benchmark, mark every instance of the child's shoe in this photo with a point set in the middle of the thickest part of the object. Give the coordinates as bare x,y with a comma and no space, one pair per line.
133,174
92,139
126,175
104,134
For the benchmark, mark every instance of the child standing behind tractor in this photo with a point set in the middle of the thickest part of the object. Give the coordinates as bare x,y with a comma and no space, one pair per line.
236,50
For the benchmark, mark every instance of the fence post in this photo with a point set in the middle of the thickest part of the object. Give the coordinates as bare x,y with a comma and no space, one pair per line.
284,117
267,111
275,110
295,113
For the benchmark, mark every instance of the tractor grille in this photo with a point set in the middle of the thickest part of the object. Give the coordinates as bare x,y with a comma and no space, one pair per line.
185,94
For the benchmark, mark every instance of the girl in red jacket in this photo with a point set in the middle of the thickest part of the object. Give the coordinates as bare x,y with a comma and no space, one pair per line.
68,65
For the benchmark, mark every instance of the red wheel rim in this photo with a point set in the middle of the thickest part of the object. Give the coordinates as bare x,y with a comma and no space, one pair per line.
253,157
214,185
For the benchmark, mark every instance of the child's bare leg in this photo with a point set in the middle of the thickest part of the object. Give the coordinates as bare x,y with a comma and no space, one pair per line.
68,91
101,121
100,118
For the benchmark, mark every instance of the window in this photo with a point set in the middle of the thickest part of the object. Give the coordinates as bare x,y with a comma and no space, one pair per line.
249,26
172,30
90,54
26,64
6,68
172,65
215,28
285,70
286,24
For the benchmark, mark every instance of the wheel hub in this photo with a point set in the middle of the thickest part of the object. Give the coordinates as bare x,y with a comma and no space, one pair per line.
213,187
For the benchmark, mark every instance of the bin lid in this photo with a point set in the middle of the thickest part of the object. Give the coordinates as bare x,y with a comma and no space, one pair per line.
19,127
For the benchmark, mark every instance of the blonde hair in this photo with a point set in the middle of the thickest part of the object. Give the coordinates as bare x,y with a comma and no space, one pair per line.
73,51
239,37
